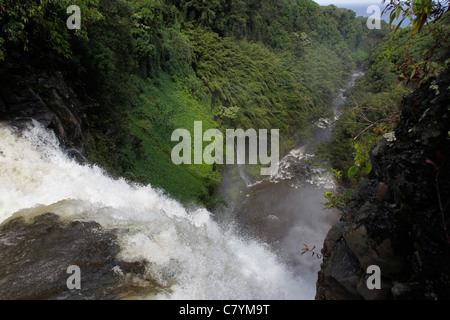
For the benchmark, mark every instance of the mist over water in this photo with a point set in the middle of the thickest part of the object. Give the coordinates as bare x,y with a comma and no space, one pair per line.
285,210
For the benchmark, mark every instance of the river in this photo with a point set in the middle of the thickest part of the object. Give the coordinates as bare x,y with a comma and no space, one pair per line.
285,211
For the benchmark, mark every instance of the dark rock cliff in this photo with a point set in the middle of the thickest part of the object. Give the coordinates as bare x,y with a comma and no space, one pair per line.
47,98
399,218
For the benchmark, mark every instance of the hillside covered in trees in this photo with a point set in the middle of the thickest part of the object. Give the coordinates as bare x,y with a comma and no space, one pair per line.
395,68
141,69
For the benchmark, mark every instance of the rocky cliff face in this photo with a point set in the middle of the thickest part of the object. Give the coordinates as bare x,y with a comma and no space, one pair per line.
47,98
399,218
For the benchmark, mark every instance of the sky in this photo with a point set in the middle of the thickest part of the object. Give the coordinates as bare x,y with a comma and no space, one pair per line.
359,6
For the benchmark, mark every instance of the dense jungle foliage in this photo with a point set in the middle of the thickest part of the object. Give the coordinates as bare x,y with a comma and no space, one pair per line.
144,68
403,60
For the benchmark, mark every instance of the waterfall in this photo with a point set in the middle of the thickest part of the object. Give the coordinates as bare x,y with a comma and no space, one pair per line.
188,252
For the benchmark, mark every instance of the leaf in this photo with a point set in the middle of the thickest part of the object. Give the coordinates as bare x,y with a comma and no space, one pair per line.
352,173
398,25
367,168
397,13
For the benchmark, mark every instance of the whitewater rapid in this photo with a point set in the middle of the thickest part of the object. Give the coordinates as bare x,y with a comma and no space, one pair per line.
188,252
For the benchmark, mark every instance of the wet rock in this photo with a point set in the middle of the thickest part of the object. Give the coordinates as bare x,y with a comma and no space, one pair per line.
35,256
46,98
368,252
384,293
340,274
399,218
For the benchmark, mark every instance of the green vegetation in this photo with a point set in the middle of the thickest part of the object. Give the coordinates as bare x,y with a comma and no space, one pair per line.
404,59
372,105
144,68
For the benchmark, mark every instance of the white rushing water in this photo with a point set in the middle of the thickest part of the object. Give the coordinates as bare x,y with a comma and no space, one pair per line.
189,253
